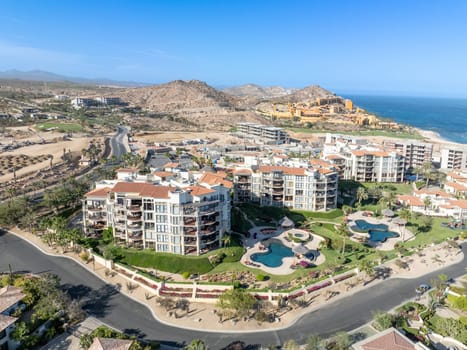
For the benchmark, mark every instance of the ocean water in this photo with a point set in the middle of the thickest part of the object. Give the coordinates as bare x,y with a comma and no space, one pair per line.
446,116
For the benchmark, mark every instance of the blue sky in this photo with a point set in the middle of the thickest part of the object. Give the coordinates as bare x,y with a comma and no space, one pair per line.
355,46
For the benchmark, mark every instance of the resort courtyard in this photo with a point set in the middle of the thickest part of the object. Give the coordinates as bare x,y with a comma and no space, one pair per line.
382,233
281,250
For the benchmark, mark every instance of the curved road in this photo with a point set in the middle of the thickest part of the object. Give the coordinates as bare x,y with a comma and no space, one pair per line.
103,302
118,142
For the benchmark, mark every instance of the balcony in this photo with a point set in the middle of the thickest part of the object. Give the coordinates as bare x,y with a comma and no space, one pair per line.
96,208
243,180
189,221
190,241
134,227
209,222
190,232
133,218
134,208
207,231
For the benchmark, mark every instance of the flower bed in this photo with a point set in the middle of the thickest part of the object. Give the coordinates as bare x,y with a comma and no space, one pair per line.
319,286
261,297
207,296
175,294
142,280
343,278
124,272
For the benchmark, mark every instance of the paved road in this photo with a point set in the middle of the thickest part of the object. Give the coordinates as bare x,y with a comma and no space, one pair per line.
103,302
117,142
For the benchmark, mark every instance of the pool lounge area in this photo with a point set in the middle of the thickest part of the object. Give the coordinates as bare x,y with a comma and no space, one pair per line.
277,254
382,233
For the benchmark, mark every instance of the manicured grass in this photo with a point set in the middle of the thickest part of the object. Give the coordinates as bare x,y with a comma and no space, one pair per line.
436,234
166,262
266,215
397,188
387,133
61,127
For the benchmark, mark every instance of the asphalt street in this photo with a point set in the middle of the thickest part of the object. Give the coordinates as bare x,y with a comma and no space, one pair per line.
105,303
117,142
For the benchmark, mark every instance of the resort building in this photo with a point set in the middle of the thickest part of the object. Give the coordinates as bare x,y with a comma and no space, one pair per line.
80,102
163,217
312,188
415,153
10,301
264,133
453,158
356,160
110,101
389,339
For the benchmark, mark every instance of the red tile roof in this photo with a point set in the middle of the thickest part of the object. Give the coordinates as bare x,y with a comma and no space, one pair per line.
284,169
242,171
163,173
142,189
215,179
456,186
199,190
390,341
411,200
98,192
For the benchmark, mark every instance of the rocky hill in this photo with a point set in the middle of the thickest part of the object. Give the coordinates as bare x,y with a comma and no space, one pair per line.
308,93
193,102
259,92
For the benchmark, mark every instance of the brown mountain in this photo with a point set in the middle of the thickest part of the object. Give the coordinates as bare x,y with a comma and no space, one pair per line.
259,92
308,93
193,103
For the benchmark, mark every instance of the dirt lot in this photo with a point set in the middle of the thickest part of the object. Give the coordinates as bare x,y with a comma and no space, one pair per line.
36,156
168,137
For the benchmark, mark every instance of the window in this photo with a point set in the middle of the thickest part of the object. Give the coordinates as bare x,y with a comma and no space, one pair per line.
175,220
148,206
175,209
148,216
161,218
162,238
162,247
161,228
161,208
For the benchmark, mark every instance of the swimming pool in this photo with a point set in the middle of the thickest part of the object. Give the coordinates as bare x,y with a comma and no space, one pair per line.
273,257
377,232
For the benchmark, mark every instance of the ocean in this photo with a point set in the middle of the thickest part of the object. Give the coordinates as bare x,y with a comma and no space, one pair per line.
446,116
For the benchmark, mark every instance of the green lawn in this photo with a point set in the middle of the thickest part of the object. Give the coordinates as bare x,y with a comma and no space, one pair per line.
61,127
397,188
436,235
387,133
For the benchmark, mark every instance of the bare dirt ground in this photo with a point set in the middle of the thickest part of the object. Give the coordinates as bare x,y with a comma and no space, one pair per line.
38,151
175,137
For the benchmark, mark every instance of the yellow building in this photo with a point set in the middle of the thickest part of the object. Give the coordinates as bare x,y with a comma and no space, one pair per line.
348,105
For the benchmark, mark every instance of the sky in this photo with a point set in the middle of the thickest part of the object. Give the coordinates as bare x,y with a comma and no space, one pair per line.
403,47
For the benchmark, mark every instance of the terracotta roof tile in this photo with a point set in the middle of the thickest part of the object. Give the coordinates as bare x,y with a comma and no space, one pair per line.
456,186
199,190
411,200
143,189
98,192
284,169
390,341
163,173
243,171
215,179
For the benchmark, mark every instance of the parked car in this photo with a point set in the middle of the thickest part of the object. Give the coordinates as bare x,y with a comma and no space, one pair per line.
422,288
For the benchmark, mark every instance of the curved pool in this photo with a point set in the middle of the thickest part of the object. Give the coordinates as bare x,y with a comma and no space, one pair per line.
273,257
377,232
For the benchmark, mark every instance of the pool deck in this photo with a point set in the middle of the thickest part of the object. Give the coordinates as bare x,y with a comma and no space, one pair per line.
257,246
404,233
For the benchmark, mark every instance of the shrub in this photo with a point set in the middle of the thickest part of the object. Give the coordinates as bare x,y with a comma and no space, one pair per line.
186,275
237,284
260,277
84,255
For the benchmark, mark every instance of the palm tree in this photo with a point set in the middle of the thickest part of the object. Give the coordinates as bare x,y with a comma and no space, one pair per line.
343,231
405,214
362,195
426,203
196,344
367,267
227,239
51,157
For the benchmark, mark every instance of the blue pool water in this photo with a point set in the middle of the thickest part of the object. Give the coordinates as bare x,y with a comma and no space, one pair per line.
365,226
377,232
381,236
273,257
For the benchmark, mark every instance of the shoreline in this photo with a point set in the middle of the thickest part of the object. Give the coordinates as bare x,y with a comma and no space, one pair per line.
435,137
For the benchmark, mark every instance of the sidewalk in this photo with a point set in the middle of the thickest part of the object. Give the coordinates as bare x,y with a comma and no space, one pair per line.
202,316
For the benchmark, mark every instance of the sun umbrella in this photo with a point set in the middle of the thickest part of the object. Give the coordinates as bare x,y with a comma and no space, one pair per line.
300,249
387,212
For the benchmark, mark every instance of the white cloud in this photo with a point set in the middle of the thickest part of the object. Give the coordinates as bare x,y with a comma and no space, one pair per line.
19,55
